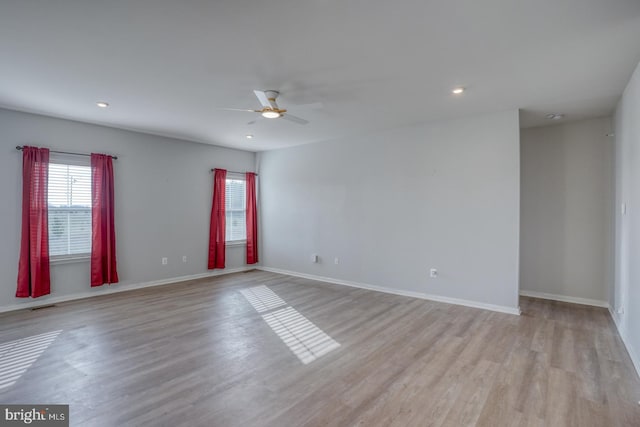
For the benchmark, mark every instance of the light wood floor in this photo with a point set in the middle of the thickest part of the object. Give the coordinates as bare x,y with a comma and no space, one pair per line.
201,354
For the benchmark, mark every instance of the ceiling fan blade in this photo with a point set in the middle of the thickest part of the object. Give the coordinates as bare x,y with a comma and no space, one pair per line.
264,99
295,119
239,109
267,98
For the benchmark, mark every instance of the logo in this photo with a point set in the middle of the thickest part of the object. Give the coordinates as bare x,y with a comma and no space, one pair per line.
35,415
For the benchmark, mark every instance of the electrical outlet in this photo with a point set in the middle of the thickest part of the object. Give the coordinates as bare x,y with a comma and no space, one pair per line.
165,261
433,273
184,258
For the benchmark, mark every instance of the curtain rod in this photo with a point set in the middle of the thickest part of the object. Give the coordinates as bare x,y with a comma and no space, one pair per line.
67,152
234,172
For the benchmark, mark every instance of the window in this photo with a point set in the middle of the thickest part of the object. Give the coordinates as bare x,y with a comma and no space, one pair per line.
236,210
69,203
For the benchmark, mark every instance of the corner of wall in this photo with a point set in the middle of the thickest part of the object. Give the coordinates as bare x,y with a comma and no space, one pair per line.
635,359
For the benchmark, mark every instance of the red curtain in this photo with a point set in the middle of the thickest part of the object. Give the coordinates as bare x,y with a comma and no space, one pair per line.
252,220
103,236
33,269
218,224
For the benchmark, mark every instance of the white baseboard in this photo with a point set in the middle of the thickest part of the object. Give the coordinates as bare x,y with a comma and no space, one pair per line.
625,339
438,298
564,298
107,290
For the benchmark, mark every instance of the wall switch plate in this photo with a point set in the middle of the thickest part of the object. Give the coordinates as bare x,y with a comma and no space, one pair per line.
433,273
184,258
165,261
336,260
314,258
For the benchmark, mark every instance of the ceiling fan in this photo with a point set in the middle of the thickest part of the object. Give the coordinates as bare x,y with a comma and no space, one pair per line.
270,109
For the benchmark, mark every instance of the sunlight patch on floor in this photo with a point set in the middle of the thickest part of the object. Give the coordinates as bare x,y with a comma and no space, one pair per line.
18,356
304,339
262,298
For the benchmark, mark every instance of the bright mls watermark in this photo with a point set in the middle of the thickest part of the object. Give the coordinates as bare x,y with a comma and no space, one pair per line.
34,415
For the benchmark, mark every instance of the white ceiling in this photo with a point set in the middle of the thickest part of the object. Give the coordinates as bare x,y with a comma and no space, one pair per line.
167,66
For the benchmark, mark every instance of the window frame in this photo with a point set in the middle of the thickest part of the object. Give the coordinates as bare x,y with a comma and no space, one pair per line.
236,177
70,160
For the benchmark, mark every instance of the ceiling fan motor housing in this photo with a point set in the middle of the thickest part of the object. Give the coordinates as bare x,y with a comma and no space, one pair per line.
271,94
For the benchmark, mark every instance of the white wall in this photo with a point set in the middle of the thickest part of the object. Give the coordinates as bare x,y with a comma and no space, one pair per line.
163,201
394,204
566,210
626,294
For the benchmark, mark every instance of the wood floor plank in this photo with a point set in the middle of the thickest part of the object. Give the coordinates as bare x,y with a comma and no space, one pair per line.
200,353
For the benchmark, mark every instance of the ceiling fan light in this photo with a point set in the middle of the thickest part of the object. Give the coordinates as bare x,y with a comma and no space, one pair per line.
270,114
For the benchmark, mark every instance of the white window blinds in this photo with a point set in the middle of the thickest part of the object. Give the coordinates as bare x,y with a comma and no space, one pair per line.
236,209
69,200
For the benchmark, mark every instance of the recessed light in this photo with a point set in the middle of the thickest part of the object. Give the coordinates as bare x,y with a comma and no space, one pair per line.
249,136
457,90
102,104
554,116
